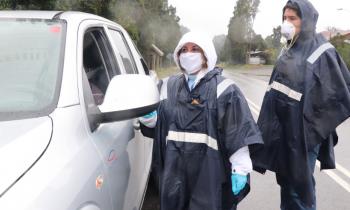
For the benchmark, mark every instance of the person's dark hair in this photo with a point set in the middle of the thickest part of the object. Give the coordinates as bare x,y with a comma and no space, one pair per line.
293,6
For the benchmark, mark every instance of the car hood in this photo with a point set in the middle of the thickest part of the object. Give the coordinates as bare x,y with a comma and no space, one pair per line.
22,143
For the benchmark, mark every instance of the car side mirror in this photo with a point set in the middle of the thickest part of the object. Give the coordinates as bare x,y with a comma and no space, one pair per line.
129,96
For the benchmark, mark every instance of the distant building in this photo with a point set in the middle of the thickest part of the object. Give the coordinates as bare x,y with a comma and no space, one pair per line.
154,60
340,38
346,38
257,57
329,34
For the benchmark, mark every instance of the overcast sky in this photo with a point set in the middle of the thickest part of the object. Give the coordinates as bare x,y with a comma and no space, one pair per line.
213,16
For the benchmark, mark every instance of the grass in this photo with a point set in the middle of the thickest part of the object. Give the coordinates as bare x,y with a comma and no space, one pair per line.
243,66
167,71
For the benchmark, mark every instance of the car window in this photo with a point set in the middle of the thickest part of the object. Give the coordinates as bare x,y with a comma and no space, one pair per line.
124,51
143,62
31,63
99,63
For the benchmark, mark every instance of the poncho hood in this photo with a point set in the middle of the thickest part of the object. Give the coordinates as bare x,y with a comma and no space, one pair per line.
203,42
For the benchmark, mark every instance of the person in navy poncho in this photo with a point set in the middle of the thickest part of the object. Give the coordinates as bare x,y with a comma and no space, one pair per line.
307,98
203,127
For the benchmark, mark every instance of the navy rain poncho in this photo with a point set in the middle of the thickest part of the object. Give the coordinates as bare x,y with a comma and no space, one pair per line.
307,98
196,133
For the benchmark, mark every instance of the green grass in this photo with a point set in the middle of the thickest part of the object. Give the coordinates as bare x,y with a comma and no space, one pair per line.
167,71
243,66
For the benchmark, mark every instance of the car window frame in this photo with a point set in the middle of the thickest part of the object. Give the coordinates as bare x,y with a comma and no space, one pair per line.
126,44
92,111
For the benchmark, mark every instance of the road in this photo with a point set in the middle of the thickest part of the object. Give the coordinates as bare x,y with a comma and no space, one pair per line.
332,186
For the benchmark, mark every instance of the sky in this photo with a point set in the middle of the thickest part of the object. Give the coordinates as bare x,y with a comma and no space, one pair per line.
213,16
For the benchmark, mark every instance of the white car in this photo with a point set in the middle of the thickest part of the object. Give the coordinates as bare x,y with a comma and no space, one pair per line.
71,88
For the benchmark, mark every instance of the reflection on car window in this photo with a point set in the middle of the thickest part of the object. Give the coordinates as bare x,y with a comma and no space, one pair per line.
124,51
30,65
98,62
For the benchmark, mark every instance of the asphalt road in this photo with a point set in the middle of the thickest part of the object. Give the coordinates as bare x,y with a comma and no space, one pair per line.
332,186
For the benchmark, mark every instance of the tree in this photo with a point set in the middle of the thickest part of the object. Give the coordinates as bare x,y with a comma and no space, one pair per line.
219,43
332,31
6,4
273,43
240,30
184,29
276,37
28,4
99,7
258,43
343,47
147,21
160,28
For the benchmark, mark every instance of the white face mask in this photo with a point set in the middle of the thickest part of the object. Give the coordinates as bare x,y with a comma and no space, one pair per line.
288,30
191,62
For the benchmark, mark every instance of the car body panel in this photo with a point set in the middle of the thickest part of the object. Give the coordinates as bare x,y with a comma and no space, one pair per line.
77,166
61,179
16,137
77,22
126,148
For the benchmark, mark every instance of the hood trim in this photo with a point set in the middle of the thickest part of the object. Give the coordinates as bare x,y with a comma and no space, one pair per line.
309,17
203,42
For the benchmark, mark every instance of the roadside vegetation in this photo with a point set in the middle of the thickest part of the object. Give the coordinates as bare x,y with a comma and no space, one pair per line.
147,21
172,70
244,66
343,47
155,22
167,71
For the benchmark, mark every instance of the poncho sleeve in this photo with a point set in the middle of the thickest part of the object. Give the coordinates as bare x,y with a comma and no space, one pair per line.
327,100
237,127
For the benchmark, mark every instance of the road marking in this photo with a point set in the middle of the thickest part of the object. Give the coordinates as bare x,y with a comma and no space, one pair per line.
331,174
336,178
343,170
256,109
253,109
263,83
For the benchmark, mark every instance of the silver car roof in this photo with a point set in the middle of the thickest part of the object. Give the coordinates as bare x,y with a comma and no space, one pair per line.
66,15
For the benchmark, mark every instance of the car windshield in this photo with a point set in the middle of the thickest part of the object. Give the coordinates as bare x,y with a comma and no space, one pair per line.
31,52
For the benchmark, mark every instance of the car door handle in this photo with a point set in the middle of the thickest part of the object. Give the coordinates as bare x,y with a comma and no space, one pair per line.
136,124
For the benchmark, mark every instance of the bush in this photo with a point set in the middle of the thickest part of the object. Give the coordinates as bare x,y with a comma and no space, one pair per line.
272,54
344,52
342,47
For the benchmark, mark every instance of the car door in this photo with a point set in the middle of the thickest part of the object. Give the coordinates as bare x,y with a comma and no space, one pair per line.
112,140
121,152
140,148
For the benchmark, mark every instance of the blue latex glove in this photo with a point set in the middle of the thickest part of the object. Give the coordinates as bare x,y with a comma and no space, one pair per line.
149,119
150,115
238,183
